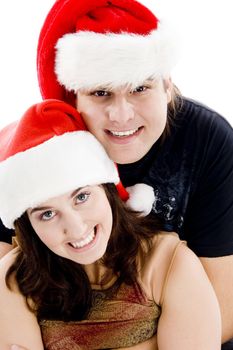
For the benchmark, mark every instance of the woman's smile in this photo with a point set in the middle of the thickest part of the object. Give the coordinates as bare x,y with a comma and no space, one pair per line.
85,243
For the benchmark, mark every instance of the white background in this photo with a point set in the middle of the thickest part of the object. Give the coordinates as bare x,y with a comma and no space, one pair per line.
204,72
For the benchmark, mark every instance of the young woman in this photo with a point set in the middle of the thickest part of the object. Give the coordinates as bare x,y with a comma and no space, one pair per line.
88,272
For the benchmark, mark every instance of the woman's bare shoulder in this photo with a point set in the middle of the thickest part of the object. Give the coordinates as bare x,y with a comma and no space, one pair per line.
155,262
161,249
171,253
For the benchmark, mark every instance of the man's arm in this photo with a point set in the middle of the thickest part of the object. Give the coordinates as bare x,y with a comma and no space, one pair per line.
5,248
220,273
17,323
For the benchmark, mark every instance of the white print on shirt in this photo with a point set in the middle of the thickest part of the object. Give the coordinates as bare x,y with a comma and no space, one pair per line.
167,208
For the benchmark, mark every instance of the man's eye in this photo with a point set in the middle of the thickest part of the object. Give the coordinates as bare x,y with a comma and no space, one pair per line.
100,93
47,215
141,88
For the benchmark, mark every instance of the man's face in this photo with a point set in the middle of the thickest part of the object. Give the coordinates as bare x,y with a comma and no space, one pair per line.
126,121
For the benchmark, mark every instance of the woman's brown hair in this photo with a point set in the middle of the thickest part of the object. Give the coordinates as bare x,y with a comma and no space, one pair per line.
58,288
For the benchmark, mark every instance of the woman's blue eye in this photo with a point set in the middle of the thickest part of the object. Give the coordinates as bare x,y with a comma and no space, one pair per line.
47,215
82,197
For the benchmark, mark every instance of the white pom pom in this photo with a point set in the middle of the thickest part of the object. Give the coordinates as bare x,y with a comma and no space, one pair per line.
141,198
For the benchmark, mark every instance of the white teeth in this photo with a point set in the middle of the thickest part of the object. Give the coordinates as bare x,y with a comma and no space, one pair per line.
123,133
84,242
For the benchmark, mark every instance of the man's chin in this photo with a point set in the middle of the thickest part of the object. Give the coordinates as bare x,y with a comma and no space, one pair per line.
128,155
127,159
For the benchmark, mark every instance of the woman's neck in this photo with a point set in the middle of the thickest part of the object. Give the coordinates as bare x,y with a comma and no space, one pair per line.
99,275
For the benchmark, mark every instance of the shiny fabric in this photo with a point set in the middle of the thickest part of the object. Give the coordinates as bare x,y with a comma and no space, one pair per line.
116,320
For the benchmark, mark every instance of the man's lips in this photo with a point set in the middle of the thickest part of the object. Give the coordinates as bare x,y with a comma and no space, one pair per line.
125,133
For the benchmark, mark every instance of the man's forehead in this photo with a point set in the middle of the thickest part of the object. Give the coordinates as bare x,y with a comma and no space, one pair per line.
120,88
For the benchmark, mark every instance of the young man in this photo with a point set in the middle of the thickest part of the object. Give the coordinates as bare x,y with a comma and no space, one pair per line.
112,60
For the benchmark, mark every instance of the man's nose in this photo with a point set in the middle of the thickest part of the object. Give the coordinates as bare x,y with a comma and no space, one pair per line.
120,110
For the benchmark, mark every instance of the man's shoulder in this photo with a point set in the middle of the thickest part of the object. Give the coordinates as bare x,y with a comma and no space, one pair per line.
192,112
5,233
197,127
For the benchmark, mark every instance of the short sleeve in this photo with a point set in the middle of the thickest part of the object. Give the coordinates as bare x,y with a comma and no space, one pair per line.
5,234
209,217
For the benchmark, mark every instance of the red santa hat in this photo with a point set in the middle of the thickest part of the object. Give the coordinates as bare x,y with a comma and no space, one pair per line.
85,44
49,152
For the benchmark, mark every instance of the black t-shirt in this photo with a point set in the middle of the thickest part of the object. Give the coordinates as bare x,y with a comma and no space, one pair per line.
192,176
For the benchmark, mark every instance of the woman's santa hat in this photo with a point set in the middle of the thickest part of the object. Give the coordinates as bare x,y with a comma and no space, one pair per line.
49,152
86,44
46,153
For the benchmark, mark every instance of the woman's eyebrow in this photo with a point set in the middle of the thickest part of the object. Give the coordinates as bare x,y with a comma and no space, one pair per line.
75,192
33,210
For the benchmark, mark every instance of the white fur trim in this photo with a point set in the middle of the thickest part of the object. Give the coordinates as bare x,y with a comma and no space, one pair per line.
141,198
87,59
57,166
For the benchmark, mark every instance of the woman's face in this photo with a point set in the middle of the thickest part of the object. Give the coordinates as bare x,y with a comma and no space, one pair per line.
127,122
76,225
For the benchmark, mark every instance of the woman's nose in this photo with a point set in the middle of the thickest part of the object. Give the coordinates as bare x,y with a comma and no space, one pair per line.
74,224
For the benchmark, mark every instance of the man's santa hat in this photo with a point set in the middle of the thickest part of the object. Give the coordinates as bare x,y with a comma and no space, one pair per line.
49,152
86,44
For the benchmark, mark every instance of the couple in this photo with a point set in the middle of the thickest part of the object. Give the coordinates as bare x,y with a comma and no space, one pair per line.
112,60
88,271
